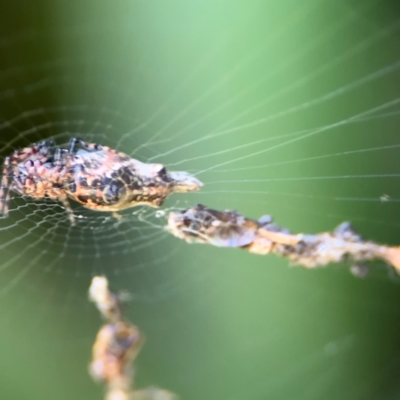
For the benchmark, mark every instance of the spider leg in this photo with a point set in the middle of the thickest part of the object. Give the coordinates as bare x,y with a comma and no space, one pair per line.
117,216
68,209
72,144
7,200
17,185
4,187
60,156
85,145
45,146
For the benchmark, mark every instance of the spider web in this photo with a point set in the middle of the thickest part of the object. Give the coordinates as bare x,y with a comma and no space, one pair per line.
287,110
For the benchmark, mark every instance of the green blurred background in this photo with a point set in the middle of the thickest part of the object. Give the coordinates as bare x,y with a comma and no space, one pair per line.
219,323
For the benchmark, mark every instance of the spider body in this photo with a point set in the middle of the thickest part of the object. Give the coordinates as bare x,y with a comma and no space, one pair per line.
98,177
109,181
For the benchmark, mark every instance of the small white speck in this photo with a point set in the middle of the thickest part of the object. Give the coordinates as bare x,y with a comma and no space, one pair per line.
160,214
331,349
385,198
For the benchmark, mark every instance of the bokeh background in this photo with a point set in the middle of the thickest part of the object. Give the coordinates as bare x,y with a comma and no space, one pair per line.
218,86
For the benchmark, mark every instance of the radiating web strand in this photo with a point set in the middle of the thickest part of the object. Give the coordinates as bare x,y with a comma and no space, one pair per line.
309,196
307,178
313,133
207,58
301,160
274,138
228,76
338,92
277,69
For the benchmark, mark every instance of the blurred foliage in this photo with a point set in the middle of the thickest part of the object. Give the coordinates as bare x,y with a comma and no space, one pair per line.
219,324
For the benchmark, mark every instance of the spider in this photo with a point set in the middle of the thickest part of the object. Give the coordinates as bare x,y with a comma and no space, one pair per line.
96,176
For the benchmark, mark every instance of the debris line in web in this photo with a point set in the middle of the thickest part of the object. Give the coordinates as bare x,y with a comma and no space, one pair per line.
200,224
117,345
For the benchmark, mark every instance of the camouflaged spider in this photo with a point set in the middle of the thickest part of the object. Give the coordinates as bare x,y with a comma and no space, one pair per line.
96,176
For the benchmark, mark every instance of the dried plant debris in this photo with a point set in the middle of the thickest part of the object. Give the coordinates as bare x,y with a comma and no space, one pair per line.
96,176
200,224
117,345
108,303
